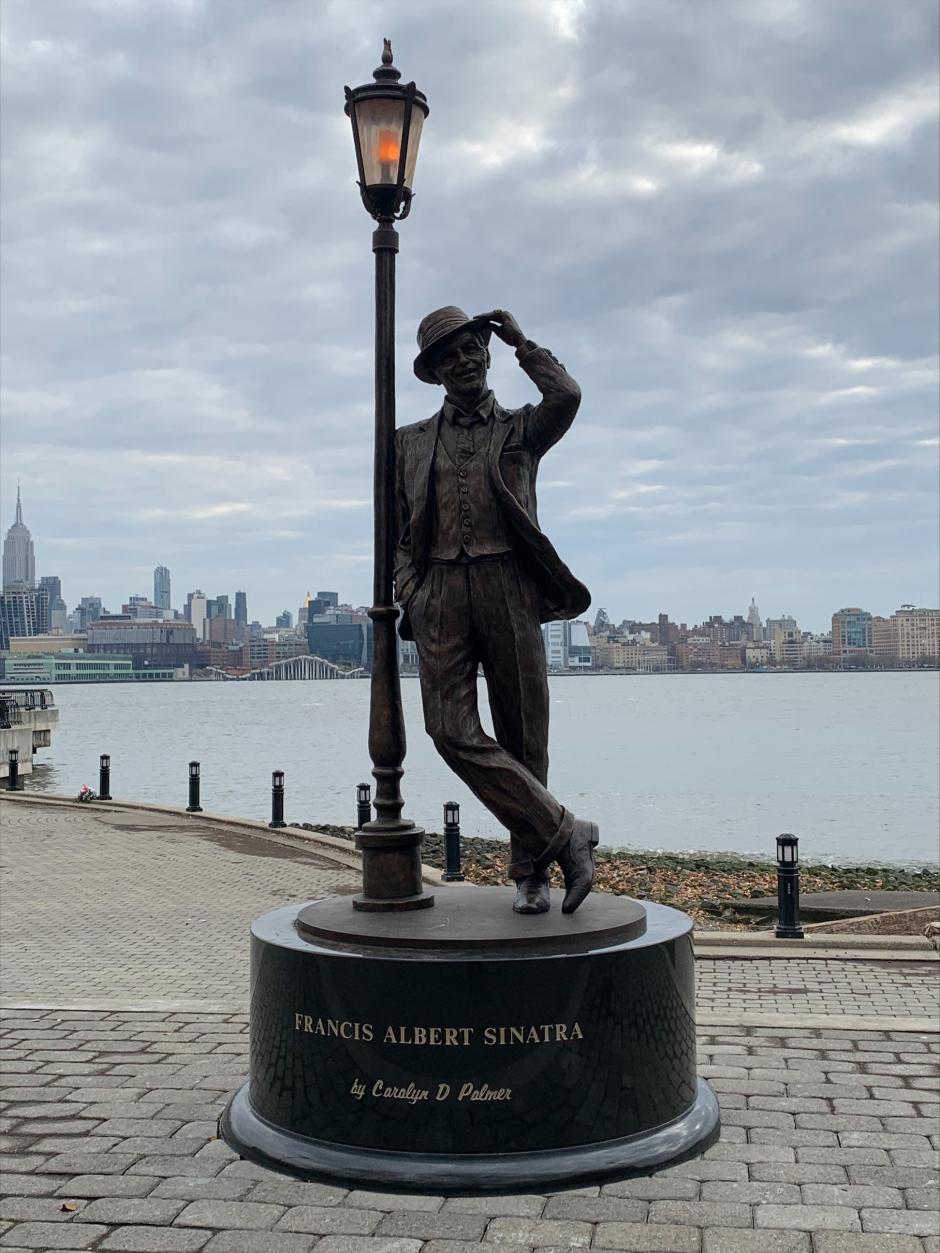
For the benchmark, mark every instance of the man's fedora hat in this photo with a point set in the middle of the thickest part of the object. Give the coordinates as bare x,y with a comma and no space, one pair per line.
439,327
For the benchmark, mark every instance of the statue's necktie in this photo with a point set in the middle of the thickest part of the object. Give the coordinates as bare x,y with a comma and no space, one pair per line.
465,425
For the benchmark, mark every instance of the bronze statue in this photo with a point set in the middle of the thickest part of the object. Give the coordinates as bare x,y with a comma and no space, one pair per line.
475,578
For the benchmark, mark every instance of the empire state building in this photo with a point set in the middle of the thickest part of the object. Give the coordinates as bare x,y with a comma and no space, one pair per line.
19,560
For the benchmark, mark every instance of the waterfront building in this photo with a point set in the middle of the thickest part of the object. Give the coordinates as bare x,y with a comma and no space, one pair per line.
567,645
141,607
758,654
788,647
697,652
150,644
161,587
241,609
852,635
51,643
76,667
19,558
407,656
918,635
910,637
817,648
23,611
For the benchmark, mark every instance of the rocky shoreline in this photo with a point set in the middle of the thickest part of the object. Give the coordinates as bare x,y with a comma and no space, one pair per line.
705,885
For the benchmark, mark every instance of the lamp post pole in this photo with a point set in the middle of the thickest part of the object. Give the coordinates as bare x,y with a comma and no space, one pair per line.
381,114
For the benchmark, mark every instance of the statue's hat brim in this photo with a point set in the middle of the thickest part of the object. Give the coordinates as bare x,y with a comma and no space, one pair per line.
437,329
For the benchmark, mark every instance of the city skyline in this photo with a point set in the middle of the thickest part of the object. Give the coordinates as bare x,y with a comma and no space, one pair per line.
721,218
18,540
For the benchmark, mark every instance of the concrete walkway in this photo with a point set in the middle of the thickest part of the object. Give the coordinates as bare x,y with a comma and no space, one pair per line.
124,977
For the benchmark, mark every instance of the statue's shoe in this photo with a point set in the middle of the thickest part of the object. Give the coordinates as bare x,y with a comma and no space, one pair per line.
577,863
531,896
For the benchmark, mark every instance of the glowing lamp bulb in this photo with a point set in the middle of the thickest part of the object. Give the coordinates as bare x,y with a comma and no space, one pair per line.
389,149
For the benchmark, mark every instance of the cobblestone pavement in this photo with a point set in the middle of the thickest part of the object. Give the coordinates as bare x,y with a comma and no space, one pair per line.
130,904
829,1145
110,902
829,1139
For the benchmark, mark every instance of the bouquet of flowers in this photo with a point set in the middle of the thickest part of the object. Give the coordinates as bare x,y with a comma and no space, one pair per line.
86,794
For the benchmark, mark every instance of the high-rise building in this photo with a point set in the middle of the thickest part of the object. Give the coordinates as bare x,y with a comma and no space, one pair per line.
89,609
754,625
284,620
197,612
218,607
23,611
19,559
567,646
161,587
329,598
343,643
58,610
241,608
852,634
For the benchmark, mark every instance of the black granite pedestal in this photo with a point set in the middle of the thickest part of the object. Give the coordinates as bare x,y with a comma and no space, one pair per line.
467,1049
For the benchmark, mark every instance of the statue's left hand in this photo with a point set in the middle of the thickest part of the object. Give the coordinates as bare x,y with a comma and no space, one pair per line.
505,326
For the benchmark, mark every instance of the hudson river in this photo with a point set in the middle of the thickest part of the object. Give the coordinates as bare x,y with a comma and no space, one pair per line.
720,762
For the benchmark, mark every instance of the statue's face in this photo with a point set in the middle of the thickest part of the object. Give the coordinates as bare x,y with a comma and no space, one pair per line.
461,365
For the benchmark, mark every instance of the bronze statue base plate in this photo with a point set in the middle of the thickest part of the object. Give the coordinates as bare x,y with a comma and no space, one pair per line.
466,1049
473,918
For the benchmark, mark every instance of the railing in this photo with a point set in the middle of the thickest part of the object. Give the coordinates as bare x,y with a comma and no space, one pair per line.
10,713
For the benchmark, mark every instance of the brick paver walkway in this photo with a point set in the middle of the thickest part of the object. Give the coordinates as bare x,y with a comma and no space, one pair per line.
828,1145
829,1138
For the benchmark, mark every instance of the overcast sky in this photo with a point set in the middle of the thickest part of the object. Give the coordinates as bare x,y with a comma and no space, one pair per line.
721,216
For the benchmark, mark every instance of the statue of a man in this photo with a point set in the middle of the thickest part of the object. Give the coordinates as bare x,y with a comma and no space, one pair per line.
475,577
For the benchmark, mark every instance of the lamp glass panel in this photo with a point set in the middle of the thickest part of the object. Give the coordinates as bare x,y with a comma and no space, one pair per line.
414,139
380,123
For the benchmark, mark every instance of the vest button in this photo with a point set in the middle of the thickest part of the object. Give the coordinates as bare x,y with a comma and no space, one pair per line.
462,473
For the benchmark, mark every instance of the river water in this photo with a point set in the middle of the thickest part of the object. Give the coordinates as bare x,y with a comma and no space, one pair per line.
681,762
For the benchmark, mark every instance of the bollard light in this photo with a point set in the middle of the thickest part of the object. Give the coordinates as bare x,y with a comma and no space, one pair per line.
104,777
13,770
452,872
277,799
363,804
788,888
194,784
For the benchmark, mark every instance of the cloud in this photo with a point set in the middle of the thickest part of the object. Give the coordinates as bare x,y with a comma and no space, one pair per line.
721,217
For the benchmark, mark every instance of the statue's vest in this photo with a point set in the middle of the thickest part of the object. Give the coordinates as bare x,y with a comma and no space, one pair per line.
467,518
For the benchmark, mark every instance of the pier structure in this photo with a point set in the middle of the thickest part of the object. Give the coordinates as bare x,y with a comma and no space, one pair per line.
27,716
305,667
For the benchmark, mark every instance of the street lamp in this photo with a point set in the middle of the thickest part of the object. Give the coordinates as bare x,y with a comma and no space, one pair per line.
387,118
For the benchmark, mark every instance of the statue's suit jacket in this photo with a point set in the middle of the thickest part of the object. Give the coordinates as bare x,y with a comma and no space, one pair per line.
516,442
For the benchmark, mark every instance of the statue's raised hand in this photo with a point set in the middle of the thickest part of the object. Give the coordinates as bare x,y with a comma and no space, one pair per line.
505,326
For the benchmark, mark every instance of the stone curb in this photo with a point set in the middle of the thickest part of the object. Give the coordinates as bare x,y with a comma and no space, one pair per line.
811,952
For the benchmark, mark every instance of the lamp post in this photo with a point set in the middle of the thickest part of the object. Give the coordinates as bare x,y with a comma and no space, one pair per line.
788,888
387,118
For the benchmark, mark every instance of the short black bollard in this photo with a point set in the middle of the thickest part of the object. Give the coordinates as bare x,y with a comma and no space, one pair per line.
104,777
194,807
13,770
363,805
277,799
788,888
452,843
